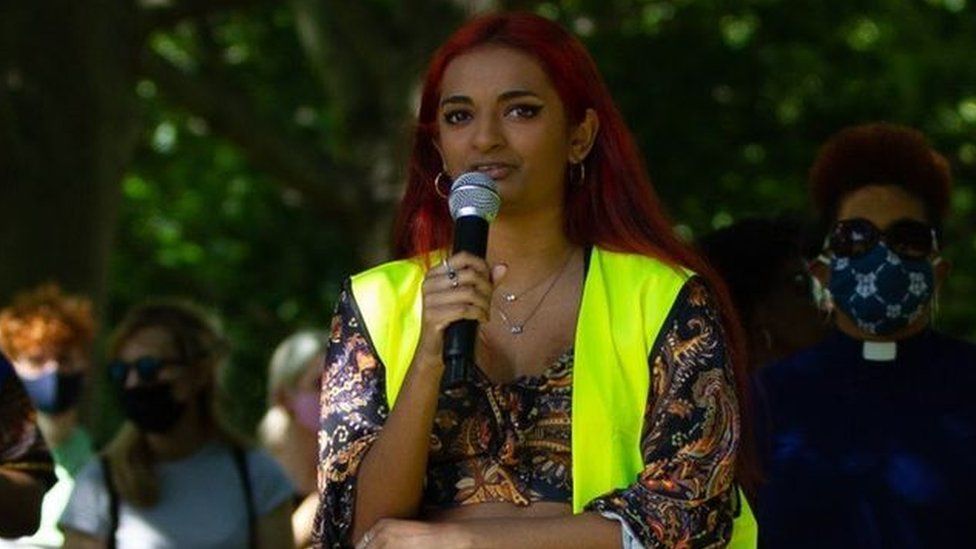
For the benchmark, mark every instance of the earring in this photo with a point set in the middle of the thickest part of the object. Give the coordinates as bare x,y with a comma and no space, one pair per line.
577,181
437,185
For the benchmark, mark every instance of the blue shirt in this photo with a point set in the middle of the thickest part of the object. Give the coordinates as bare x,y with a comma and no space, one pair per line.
865,453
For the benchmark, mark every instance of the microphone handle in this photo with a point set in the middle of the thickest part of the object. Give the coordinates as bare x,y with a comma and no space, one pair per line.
470,235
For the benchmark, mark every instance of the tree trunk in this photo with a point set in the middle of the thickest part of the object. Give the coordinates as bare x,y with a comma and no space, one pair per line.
68,126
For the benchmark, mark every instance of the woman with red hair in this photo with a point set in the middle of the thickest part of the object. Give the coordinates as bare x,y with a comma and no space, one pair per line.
601,409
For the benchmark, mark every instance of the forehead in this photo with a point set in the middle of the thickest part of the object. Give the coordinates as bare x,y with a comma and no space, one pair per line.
489,71
882,205
152,341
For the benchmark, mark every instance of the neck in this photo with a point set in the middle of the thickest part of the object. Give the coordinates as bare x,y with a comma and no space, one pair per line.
296,452
57,429
186,437
532,245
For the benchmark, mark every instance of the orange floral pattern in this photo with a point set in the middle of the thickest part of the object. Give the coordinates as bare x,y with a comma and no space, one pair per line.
511,442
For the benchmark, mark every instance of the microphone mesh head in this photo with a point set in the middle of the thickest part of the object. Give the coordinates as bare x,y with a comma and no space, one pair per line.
474,193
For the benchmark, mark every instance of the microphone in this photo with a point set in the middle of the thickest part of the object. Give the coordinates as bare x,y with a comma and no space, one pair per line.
474,203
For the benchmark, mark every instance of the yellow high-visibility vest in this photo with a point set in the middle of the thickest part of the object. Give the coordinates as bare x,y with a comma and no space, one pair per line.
626,300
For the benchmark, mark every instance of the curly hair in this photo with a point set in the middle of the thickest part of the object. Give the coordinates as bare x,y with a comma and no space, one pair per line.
45,319
880,154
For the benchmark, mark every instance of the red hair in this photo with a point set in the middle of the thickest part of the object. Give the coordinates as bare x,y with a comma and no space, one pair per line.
46,320
615,208
880,154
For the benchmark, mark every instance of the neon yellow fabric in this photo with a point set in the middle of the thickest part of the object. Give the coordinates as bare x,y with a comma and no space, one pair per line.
745,529
626,299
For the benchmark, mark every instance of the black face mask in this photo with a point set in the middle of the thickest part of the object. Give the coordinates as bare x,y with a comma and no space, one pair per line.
152,407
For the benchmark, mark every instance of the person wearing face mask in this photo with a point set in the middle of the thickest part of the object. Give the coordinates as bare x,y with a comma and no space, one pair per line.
870,436
289,430
48,337
174,476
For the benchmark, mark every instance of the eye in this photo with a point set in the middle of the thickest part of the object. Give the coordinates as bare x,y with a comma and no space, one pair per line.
523,111
456,116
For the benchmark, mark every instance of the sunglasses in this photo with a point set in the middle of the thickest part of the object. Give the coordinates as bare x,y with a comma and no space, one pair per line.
908,238
147,368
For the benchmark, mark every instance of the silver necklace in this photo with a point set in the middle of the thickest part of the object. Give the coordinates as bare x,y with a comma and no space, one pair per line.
518,327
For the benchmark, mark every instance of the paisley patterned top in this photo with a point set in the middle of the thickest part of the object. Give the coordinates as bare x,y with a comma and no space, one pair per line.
511,442
22,447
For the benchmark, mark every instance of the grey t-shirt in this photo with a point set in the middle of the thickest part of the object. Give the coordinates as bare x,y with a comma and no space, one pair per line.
201,503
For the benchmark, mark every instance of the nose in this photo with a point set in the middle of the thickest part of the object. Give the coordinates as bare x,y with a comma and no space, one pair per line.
487,135
131,378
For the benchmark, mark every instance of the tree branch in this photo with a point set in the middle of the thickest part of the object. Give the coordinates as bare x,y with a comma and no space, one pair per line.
331,189
180,10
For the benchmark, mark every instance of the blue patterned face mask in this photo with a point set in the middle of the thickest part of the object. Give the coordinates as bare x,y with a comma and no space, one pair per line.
881,291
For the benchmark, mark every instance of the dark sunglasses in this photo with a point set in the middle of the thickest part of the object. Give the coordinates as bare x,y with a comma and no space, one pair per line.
908,238
147,368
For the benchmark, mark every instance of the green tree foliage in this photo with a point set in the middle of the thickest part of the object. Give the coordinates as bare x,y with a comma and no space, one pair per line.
225,202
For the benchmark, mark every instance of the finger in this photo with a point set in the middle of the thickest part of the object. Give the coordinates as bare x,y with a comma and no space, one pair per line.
446,315
465,278
462,295
365,540
467,260
498,272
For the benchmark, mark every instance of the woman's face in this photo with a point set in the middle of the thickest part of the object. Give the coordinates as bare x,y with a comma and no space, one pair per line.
500,114
883,205
157,343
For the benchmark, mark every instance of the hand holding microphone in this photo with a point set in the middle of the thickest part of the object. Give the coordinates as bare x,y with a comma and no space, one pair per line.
457,293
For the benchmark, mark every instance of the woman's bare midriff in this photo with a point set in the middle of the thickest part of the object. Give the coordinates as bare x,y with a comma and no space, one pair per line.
499,509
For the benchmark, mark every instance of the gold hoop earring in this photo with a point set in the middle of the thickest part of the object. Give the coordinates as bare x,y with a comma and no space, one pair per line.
437,185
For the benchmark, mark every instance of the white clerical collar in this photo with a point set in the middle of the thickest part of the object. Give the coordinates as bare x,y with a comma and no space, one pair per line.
880,351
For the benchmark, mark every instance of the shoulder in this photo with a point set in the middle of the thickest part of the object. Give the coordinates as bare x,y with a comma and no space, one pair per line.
271,485
800,371
87,508
639,267
260,462
392,273
91,475
964,350
624,280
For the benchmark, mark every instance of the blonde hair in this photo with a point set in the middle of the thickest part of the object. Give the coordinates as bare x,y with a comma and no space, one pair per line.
288,364
290,359
198,338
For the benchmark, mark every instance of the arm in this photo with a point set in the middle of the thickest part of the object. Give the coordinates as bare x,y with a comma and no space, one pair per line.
274,528
360,437
303,520
20,503
585,531
73,539
684,495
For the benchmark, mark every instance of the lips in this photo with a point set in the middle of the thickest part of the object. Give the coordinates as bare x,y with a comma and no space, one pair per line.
494,170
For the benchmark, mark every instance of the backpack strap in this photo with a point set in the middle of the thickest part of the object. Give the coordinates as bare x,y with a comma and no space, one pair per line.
240,460
113,503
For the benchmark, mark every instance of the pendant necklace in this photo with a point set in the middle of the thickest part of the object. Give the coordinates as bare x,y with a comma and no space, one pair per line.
516,327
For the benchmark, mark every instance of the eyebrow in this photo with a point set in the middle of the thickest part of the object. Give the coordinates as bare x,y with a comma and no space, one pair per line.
505,96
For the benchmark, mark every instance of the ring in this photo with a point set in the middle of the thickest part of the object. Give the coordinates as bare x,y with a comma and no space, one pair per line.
366,538
451,272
